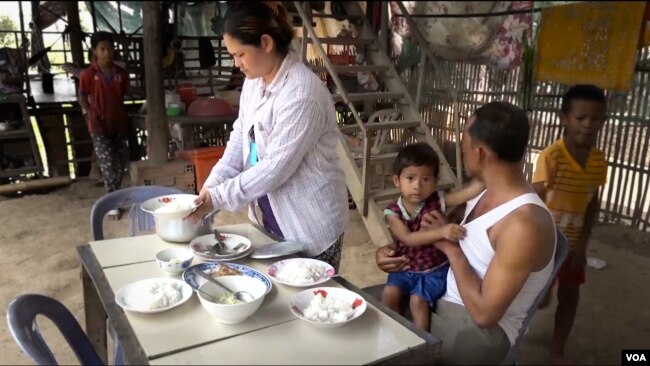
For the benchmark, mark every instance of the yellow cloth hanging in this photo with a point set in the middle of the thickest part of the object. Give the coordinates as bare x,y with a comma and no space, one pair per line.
590,43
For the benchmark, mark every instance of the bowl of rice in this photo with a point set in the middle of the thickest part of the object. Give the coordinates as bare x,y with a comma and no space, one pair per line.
301,272
224,307
327,307
153,295
171,206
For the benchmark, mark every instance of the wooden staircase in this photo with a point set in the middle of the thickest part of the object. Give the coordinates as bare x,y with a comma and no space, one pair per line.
368,165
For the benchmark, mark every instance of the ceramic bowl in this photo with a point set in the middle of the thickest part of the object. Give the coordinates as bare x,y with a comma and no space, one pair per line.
233,313
174,261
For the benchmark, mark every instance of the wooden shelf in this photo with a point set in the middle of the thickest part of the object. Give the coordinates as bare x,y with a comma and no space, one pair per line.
10,141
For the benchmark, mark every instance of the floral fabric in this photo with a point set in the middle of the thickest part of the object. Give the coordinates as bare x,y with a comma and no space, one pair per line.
496,41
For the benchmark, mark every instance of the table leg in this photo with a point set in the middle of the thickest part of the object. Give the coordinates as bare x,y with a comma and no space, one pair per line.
95,316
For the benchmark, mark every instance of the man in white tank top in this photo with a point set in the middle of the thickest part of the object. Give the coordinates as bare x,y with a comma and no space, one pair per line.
506,258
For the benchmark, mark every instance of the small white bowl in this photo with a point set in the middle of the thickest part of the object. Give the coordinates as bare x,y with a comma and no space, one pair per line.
301,301
174,261
235,313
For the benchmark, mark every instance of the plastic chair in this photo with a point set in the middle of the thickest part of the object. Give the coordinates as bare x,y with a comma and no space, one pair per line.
21,316
128,197
561,252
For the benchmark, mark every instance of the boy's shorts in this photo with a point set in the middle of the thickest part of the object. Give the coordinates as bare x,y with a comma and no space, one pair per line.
566,275
429,286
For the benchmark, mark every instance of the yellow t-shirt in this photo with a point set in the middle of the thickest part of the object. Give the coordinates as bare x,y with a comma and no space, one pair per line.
569,187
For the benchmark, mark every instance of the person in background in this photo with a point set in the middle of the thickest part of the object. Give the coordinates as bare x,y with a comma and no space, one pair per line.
567,176
416,170
102,88
281,155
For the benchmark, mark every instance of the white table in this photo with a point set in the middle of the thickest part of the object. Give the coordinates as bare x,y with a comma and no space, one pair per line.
189,335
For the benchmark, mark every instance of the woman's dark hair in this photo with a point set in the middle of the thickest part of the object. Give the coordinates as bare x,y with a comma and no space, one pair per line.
418,154
248,21
100,37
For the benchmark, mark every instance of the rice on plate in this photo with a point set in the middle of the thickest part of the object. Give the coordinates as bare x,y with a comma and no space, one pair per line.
301,271
153,295
327,307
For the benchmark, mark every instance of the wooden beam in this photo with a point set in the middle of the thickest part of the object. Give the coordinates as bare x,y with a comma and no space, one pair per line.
72,9
157,130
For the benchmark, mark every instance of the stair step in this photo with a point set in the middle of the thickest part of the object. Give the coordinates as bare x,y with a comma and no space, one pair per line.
378,126
386,194
343,41
351,68
355,97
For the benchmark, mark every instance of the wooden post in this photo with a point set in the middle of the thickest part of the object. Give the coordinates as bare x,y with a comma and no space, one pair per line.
157,130
72,8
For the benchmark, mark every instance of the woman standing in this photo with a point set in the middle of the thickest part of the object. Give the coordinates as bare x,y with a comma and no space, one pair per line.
281,154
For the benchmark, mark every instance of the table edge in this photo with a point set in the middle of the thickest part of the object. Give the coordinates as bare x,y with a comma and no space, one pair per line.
429,339
124,332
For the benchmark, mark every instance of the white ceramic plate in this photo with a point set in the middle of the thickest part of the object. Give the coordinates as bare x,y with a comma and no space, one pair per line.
121,297
200,247
278,267
279,249
301,301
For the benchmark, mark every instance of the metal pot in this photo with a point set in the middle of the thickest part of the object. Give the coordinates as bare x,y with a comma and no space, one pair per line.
182,231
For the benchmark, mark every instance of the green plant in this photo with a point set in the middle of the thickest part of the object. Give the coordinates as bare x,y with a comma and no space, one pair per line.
7,24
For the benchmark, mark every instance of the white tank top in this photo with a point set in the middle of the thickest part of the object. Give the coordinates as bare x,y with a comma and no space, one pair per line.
477,248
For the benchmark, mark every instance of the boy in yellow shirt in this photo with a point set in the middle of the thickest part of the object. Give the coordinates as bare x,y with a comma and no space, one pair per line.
567,176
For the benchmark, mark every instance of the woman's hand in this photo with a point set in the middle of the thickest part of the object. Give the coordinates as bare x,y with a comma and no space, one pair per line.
388,262
205,206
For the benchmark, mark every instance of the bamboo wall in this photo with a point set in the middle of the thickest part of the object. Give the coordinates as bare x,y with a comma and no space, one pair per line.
625,198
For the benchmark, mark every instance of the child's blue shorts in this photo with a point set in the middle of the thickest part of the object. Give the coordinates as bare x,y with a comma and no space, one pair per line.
430,286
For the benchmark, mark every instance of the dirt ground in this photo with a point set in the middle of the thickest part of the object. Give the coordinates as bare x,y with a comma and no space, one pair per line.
39,233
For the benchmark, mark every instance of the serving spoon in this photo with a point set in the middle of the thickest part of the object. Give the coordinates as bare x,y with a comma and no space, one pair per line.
243,296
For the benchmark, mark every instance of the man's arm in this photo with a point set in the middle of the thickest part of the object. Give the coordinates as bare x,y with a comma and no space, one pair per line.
423,237
518,248
388,262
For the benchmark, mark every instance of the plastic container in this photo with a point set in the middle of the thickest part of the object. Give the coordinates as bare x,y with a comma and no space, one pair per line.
187,93
210,107
204,159
174,109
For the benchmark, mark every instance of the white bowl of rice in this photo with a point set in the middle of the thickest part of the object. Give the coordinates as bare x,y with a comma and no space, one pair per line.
327,307
171,206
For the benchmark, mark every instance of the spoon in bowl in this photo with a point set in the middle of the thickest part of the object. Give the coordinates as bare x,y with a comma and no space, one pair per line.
243,296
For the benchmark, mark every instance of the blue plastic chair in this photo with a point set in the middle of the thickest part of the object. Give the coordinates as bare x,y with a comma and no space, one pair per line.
561,252
130,198
21,316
